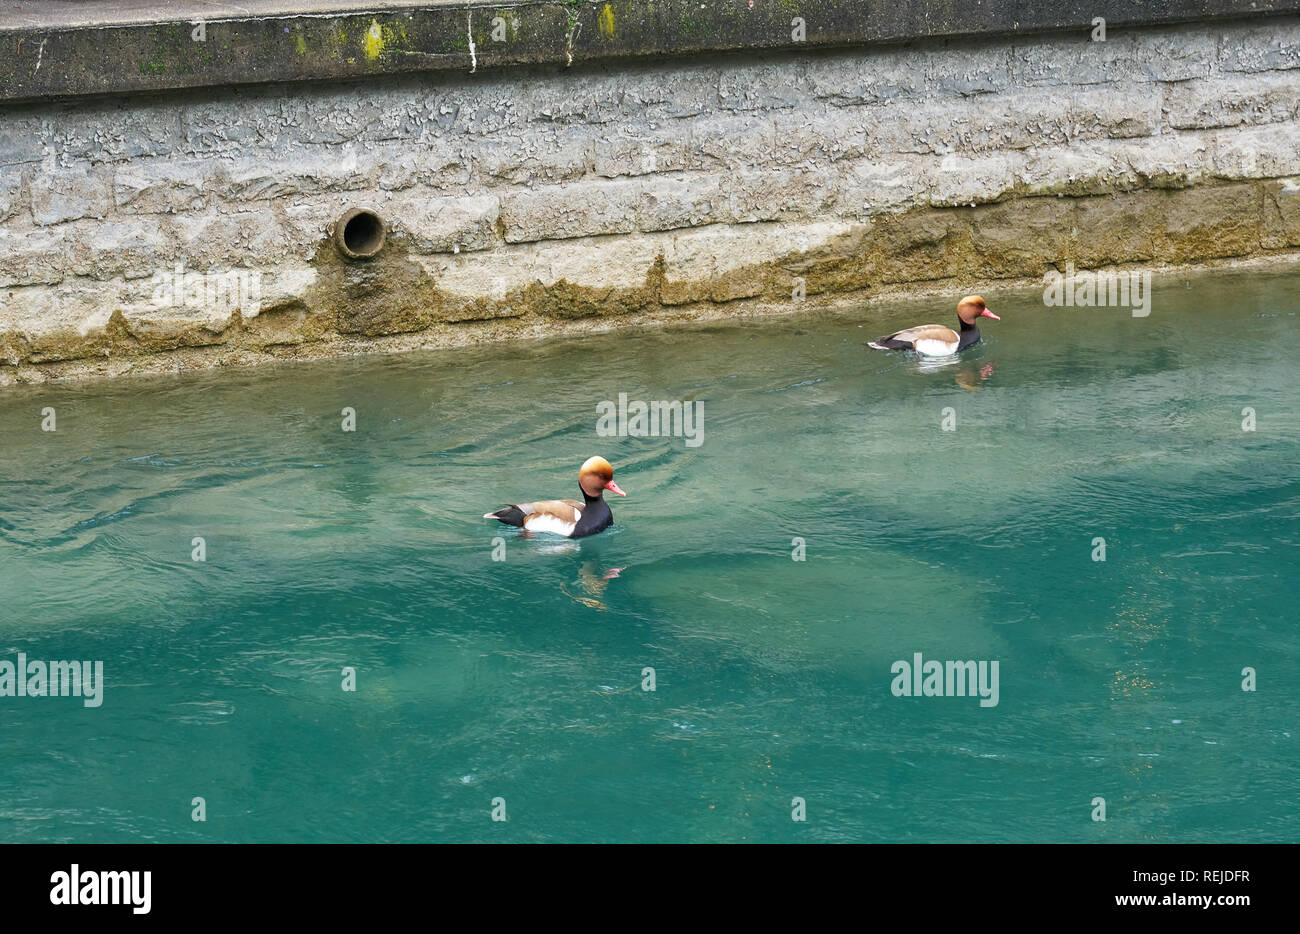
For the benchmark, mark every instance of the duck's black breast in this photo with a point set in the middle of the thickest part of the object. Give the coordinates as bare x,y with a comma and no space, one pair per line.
970,334
596,517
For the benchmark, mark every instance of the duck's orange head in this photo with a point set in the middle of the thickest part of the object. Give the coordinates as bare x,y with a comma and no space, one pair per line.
596,475
972,307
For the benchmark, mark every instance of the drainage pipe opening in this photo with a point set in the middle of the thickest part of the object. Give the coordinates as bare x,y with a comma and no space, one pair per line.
360,233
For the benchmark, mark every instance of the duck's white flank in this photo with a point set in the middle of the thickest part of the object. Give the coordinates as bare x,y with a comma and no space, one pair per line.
934,348
547,522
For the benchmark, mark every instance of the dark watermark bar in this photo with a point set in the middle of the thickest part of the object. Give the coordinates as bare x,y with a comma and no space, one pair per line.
337,884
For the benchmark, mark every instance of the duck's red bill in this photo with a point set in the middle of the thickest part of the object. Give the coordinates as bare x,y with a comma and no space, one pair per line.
988,314
613,488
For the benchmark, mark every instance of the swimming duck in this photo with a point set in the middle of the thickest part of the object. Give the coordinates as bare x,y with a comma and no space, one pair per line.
569,517
935,340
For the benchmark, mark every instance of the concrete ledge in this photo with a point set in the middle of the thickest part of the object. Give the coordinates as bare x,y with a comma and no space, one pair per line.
58,48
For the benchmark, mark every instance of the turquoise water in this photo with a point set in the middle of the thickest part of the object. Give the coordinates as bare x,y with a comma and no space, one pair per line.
522,679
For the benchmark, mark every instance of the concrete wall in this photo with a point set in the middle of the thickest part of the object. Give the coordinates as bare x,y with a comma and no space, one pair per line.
537,199
103,46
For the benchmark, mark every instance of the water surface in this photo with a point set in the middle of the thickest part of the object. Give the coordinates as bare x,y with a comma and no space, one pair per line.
522,679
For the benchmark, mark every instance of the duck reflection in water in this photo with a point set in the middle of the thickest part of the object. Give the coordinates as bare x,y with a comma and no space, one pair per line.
970,378
593,584
591,579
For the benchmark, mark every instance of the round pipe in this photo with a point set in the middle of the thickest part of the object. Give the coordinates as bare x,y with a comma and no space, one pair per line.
359,233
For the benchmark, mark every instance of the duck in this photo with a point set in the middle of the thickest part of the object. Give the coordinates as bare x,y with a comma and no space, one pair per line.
935,340
568,517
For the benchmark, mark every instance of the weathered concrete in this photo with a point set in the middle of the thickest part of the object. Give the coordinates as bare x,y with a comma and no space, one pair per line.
536,200
65,47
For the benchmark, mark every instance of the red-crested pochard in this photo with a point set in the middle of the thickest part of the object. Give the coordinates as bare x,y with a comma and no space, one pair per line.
569,517
935,340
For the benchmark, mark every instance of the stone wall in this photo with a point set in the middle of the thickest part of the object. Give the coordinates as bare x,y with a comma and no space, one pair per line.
541,198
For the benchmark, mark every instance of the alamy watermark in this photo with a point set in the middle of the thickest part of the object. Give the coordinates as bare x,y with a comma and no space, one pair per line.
80,886
234,289
1087,289
52,679
919,678
638,419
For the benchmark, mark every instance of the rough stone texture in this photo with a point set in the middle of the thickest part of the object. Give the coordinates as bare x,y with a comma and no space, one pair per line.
1281,215
68,194
521,201
559,211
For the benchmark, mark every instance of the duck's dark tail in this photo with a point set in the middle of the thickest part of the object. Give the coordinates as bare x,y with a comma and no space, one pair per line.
510,515
889,343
